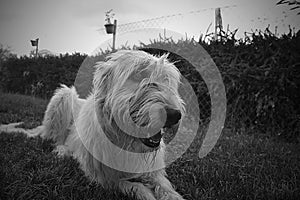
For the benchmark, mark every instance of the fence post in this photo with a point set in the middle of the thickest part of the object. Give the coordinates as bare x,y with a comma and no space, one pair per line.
114,34
218,23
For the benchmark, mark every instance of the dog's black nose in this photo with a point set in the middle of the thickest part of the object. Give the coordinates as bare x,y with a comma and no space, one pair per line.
173,116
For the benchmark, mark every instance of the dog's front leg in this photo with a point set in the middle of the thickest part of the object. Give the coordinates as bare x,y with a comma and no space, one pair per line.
164,189
136,189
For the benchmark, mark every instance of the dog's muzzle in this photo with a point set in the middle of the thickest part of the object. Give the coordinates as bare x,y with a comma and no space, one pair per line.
173,117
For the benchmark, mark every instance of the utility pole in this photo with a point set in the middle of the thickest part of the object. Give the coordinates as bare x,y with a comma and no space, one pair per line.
218,23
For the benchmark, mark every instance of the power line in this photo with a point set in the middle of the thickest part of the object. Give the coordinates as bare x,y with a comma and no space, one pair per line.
157,22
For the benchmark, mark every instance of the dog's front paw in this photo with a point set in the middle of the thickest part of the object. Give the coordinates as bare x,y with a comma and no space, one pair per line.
163,194
171,197
61,151
174,197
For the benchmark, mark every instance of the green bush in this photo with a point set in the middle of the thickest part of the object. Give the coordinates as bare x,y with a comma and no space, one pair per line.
39,76
261,74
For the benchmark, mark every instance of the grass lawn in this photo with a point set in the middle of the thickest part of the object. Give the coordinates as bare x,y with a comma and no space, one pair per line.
241,166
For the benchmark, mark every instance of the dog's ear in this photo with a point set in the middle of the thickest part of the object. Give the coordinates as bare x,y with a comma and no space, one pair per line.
102,80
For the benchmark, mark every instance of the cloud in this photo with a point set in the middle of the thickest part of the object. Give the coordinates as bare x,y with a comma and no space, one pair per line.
7,11
93,12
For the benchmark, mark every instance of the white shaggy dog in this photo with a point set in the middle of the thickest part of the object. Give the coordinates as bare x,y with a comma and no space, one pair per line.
116,133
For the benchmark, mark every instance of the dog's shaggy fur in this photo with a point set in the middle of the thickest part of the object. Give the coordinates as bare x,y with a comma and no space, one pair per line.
111,132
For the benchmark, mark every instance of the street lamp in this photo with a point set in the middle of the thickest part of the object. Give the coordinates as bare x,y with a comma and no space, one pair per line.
109,27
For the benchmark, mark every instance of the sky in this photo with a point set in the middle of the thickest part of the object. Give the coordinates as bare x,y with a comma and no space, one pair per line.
77,26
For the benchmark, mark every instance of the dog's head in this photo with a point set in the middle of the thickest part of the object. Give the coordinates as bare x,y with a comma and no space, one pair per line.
137,97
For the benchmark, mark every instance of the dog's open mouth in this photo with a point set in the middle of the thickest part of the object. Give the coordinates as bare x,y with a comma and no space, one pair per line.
153,141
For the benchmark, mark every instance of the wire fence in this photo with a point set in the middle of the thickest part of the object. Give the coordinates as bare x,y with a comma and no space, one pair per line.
161,22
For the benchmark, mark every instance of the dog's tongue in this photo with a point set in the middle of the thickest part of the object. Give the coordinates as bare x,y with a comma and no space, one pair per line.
153,141
156,137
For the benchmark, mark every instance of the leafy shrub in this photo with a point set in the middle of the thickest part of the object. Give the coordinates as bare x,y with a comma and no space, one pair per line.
261,74
40,76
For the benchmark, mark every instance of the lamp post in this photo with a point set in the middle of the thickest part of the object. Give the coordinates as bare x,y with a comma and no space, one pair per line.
111,28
